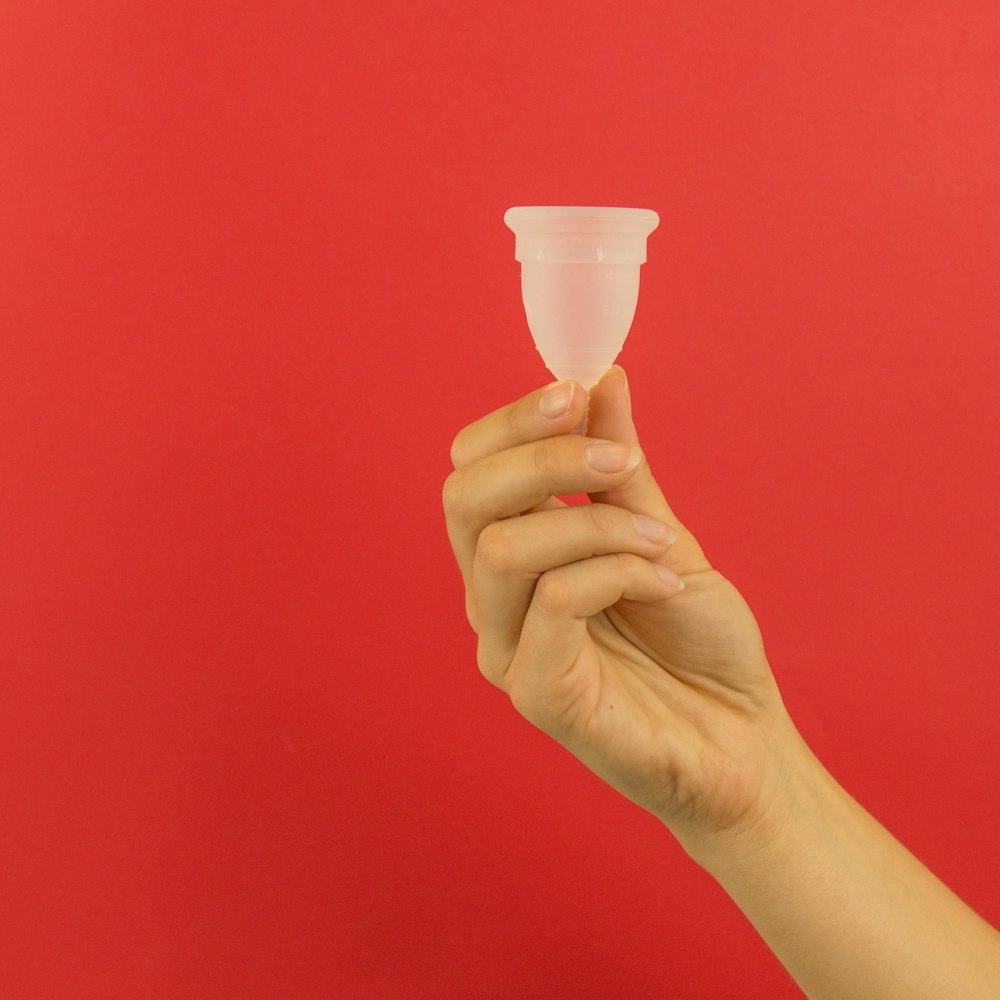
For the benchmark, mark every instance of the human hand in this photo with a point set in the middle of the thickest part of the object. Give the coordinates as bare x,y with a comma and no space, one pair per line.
612,633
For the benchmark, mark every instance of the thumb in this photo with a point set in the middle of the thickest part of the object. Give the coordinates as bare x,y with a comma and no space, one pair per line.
610,418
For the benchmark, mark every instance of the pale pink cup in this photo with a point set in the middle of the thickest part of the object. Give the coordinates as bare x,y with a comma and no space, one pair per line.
580,282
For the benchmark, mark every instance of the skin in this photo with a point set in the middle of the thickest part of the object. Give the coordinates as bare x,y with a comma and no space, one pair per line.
609,630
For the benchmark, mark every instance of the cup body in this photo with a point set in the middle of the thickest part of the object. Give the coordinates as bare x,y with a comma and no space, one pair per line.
579,314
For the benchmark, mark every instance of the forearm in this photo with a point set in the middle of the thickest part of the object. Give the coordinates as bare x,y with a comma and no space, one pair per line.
845,907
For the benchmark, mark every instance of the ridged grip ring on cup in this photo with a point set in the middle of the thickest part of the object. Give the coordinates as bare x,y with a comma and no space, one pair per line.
565,234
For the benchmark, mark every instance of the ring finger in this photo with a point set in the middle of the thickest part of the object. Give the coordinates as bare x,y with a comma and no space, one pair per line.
512,554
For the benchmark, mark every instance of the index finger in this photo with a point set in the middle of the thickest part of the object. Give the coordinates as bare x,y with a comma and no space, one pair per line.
554,409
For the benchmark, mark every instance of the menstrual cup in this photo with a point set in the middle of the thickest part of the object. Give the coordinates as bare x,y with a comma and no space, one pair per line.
580,282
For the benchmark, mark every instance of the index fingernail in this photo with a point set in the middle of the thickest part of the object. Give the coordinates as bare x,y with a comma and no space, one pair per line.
556,401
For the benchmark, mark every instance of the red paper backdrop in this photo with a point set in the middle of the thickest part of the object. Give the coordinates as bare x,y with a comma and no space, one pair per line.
253,278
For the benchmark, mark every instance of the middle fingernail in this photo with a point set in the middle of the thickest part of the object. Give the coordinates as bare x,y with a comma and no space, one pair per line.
608,456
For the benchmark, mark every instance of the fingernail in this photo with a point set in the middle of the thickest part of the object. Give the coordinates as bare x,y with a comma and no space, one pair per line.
556,401
655,531
608,456
628,392
669,576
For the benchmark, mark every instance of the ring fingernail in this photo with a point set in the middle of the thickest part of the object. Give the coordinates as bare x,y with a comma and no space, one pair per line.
655,531
669,576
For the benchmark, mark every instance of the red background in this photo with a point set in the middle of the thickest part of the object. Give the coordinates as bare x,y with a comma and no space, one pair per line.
254,277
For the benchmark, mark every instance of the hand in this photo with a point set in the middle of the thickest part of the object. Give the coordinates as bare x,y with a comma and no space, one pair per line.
608,631
665,693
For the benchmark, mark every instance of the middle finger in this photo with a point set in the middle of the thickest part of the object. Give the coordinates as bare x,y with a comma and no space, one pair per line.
519,479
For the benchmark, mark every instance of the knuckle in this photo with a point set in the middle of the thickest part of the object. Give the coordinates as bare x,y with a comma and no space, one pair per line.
633,574
545,455
495,549
520,697
623,566
541,455
453,492
484,662
471,612
492,665
604,519
553,593
512,422
459,450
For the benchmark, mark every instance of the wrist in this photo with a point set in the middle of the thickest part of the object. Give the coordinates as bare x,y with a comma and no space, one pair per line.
844,906
794,788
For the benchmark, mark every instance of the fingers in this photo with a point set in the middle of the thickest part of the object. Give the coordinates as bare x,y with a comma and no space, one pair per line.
512,555
555,626
518,479
553,409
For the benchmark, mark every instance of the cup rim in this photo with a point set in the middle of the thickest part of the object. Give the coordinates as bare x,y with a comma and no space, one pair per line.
561,219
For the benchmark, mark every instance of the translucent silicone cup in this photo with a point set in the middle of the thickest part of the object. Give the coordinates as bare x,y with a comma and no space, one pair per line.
580,281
